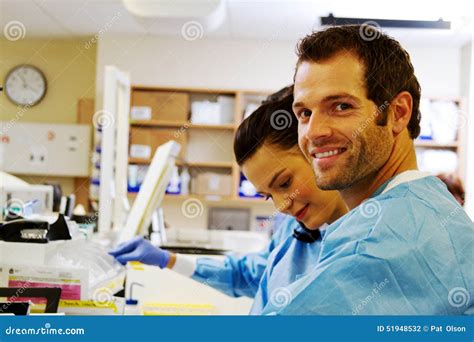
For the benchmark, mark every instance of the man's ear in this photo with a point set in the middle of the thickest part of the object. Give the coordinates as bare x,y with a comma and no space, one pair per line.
401,108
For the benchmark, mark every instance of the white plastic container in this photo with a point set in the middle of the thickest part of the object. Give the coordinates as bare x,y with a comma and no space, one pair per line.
226,109
185,180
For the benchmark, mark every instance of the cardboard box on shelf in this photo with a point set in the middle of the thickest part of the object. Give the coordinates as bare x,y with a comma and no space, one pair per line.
154,137
165,106
210,183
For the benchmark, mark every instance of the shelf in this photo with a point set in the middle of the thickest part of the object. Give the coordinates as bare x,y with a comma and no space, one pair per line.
434,144
215,165
185,90
227,126
158,123
217,198
176,124
212,198
218,165
139,161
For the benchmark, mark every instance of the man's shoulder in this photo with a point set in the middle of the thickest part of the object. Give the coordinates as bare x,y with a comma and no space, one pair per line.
399,214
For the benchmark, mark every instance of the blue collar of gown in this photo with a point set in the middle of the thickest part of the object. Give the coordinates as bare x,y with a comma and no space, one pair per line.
303,234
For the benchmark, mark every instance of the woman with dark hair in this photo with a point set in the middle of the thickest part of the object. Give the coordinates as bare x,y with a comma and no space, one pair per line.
266,148
257,136
454,185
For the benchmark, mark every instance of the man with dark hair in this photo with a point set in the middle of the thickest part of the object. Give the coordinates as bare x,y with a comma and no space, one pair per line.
406,245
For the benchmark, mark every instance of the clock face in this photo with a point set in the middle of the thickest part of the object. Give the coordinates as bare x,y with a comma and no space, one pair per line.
25,85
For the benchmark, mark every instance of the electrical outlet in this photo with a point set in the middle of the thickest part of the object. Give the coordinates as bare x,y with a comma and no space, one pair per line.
38,156
73,143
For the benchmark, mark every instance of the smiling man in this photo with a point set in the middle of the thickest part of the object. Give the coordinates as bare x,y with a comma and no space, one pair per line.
406,247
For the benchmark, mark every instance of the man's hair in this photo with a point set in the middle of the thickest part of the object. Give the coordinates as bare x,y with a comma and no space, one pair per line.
388,69
273,122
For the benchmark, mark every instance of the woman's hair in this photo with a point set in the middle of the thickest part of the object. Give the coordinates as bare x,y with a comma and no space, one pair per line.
454,185
273,123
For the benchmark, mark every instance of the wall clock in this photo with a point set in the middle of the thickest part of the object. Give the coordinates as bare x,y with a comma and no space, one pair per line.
25,85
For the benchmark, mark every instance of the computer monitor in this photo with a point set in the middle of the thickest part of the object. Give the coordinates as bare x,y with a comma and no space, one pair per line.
151,191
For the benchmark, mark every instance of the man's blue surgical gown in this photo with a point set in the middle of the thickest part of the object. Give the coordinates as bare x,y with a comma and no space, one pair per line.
406,251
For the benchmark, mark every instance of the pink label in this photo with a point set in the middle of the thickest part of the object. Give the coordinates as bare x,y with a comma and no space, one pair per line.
69,292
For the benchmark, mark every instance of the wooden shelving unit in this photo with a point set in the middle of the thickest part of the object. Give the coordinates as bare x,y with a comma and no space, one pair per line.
219,135
458,145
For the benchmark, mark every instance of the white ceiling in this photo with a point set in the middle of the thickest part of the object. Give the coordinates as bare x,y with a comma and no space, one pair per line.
263,19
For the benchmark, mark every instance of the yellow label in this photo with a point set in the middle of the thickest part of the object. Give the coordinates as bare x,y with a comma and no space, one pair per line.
135,265
87,304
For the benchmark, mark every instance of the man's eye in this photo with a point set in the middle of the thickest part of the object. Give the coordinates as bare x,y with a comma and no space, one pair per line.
303,114
343,106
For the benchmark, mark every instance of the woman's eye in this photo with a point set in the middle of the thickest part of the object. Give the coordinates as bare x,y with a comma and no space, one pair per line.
343,106
267,197
286,183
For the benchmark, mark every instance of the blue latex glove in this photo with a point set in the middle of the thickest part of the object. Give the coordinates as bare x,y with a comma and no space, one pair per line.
139,249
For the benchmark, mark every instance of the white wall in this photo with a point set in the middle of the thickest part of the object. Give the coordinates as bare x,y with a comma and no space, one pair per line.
213,63
437,68
245,64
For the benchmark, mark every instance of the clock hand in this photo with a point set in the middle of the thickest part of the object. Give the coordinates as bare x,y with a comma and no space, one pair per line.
23,80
